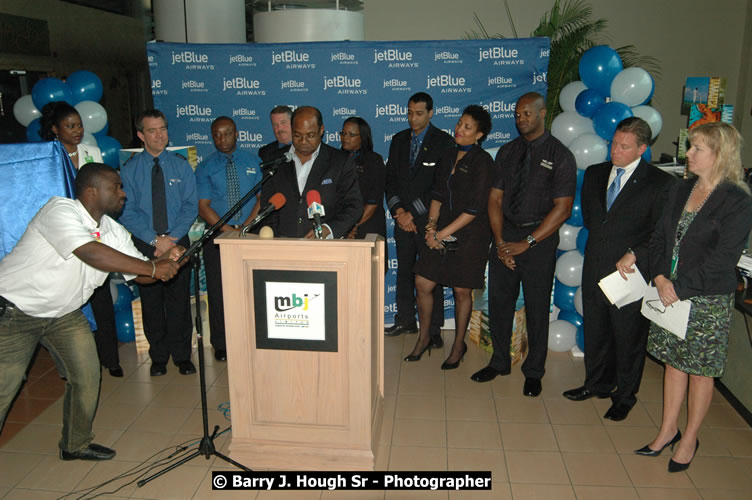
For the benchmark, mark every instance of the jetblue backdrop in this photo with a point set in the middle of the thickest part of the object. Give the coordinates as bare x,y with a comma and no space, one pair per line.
195,83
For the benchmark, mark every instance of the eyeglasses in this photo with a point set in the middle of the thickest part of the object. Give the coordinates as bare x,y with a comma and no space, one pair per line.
659,310
349,134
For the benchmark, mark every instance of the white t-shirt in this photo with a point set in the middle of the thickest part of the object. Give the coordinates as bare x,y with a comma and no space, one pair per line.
42,276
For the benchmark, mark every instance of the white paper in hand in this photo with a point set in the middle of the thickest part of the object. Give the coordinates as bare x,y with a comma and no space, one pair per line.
673,318
620,292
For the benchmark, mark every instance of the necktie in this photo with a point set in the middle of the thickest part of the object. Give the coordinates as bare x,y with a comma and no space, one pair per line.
520,179
158,199
613,189
233,185
414,147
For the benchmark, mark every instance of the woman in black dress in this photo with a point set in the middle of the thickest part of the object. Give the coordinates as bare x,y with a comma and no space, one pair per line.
693,254
356,139
457,233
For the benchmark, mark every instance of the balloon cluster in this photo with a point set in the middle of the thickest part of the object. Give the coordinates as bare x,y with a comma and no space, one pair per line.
82,90
122,299
592,108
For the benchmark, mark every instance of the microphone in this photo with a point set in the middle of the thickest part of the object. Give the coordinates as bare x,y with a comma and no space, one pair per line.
276,161
276,202
315,211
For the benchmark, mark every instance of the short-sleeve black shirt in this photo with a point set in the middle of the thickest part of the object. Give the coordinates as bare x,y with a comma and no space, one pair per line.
552,175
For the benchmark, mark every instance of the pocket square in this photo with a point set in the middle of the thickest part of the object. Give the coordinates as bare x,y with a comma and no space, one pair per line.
326,181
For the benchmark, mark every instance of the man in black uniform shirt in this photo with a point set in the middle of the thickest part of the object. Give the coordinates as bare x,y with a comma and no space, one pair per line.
281,117
532,196
413,157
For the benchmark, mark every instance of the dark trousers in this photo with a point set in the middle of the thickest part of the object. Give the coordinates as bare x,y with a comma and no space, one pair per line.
166,310
615,341
407,254
214,292
106,334
535,269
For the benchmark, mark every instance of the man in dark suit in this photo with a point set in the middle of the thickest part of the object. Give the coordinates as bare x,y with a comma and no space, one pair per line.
413,157
319,167
621,202
281,120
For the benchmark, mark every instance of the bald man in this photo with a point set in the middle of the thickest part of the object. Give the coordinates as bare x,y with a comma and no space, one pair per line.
531,198
318,167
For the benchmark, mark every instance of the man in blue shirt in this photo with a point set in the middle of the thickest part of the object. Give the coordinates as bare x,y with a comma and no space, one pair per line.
161,207
222,179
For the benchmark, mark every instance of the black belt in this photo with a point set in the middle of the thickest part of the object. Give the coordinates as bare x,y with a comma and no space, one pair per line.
524,225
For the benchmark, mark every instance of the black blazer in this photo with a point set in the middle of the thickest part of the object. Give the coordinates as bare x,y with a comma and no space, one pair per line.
333,176
712,245
272,150
408,188
629,223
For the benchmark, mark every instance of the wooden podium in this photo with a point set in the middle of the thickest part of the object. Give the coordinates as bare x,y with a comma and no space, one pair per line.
304,323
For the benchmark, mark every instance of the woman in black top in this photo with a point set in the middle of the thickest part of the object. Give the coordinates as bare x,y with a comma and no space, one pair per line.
356,139
457,234
693,254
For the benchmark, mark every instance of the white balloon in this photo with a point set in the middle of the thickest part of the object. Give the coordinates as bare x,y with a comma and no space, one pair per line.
651,116
25,111
588,149
569,125
93,116
554,313
562,335
578,301
632,86
89,139
568,237
569,268
569,93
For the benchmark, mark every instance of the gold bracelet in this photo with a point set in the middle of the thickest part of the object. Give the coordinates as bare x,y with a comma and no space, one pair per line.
153,269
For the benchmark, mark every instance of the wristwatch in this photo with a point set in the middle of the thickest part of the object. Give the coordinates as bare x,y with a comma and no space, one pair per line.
531,240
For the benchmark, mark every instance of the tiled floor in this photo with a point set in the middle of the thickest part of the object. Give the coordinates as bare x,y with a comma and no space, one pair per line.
537,448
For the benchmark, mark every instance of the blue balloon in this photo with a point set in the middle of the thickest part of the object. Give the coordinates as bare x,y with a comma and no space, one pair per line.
84,86
588,102
126,330
580,338
647,155
571,316
576,218
50,90
124,298
32,131
564,296
608,117
599,66
110,149
580,179
102,133
582,237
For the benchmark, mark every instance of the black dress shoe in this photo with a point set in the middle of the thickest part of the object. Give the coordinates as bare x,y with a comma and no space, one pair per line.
186,367
617,412
116,372
436,341
158,369
532,387
649,452
396,330
446,365
220,354
91,452
677,467
583,393
487,374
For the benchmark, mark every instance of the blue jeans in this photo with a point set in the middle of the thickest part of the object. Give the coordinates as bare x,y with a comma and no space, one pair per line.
71,344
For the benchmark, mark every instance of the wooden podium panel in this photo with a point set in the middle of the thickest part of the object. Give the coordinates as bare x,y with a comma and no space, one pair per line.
293,407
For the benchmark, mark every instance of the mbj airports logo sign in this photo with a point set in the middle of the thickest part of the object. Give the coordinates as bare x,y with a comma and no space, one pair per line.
295,310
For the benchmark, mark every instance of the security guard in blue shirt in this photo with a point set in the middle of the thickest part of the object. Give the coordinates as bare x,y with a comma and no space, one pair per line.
222,179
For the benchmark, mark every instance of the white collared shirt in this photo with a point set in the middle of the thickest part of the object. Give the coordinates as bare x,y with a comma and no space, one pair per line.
628,171
303,170
42,276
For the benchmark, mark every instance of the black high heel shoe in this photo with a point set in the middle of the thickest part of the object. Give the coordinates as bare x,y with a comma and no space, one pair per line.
451,366
677,467
416,357
649,452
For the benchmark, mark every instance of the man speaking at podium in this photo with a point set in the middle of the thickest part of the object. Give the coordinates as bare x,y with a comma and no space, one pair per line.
315,167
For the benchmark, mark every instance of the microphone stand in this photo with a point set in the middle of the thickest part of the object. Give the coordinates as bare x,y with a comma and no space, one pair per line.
206,445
